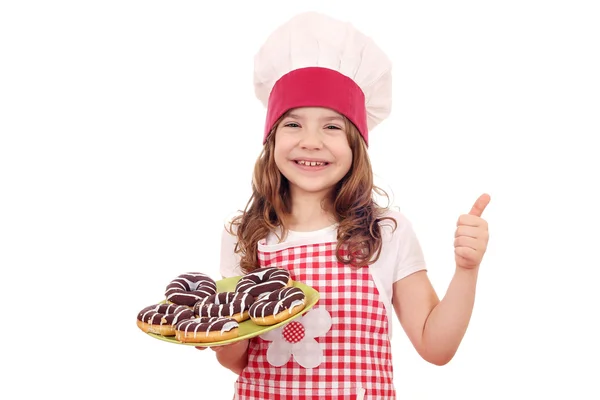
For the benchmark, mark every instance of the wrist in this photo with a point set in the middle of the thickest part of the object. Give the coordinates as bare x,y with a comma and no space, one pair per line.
233,356
467,272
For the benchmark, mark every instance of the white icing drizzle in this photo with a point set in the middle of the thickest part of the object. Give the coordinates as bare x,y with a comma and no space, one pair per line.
277,299
190,287
223,305
229,326
196,326
276,276
172,309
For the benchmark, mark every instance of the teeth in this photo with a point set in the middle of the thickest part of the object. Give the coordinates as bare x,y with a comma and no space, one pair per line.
311,163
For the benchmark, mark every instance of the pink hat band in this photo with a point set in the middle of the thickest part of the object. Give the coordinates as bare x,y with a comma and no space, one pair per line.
317,87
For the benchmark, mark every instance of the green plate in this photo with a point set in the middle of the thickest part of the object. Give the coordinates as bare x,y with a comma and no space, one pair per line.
249,329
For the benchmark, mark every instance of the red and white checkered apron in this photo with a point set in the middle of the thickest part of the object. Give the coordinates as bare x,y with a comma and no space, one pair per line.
357,358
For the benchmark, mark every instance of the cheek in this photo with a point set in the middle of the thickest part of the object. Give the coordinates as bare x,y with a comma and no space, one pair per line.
279,159
347,161
280,153
344,155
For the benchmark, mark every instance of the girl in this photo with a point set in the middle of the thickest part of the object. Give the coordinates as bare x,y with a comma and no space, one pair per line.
312,212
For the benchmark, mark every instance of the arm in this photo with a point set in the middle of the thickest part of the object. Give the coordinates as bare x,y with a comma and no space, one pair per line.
436,328
234,357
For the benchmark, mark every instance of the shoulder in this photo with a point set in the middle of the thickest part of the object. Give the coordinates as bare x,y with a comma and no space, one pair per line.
395,214
230,260
401,253
398,235
229,227
395,223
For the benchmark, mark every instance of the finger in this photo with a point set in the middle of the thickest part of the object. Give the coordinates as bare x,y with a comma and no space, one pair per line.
471,243
469,231
201,348
467,254
472,232
472,220
480,205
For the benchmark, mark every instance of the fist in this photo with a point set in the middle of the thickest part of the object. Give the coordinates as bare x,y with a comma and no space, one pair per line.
226,348
471,237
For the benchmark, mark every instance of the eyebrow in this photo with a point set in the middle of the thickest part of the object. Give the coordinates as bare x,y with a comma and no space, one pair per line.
330,118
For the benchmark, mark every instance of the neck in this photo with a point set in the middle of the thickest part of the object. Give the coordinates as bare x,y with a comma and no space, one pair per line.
309,213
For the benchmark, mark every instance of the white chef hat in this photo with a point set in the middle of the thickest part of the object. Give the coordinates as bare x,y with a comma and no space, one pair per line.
315,60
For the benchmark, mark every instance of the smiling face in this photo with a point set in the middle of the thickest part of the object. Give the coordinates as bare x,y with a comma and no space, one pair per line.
312,150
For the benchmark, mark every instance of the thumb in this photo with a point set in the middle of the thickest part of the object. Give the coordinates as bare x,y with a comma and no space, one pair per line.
480,205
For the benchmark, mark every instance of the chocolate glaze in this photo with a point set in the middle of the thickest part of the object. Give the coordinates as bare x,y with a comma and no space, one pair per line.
207,325
190,287
263,280
278,301
165,314
224,304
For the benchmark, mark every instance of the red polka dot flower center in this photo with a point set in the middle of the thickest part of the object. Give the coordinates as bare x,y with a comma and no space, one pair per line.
293,332
297,339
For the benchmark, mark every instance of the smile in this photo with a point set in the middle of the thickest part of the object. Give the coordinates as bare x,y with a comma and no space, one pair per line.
311,163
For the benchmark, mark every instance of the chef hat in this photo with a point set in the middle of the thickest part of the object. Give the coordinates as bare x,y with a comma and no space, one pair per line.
316,61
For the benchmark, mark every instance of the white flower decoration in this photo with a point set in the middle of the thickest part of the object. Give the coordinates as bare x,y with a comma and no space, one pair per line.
297,338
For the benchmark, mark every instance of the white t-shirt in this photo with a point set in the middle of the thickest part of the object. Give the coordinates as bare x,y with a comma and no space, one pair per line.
401,253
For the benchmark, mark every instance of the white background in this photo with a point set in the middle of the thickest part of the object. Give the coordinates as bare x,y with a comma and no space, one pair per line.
128,134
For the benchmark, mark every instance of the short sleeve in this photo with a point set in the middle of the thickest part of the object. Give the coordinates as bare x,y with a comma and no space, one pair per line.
230,261
409,254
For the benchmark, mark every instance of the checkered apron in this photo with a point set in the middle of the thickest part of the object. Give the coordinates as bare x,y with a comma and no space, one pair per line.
356,362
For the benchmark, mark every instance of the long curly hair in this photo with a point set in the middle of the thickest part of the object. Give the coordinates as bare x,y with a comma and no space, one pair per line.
352,205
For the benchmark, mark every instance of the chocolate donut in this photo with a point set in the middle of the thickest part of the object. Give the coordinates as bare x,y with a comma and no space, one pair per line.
162,318
190,287
263,280
277,306
205,329
225,304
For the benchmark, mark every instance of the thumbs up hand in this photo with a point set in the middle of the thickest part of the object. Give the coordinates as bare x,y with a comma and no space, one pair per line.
471,237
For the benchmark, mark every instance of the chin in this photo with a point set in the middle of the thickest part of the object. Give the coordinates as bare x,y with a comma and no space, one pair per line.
311,189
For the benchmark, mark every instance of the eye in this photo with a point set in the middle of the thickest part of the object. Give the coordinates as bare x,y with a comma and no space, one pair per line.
291,125
332,127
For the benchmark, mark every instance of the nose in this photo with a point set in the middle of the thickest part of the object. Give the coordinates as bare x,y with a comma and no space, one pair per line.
311,139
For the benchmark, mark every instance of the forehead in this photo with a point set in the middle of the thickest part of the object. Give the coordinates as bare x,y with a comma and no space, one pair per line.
313,113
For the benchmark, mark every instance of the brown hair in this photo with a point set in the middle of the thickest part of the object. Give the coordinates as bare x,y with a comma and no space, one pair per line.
353,206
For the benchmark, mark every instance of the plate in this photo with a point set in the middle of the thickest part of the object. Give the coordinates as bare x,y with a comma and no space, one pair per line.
247,328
